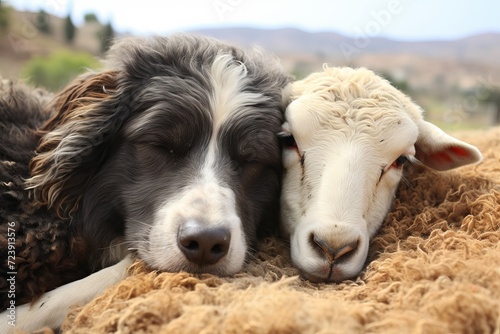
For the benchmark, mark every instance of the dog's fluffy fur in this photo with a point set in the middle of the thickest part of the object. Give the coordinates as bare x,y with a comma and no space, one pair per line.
176,134
42,242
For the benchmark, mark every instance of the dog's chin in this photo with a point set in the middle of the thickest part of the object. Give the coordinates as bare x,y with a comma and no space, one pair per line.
228,266
218,269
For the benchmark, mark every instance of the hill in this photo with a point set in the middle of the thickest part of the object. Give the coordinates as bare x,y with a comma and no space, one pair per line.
24,41
458,75
458,63
479,48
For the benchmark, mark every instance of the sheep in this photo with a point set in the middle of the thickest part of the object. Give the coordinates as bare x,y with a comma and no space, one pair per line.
347,136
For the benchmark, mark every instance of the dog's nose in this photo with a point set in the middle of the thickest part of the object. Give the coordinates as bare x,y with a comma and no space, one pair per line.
334,252
203,245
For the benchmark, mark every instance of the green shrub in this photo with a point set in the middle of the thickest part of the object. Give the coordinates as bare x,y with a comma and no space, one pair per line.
55,71
107,34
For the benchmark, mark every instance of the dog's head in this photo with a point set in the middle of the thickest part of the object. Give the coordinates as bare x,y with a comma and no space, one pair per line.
173,146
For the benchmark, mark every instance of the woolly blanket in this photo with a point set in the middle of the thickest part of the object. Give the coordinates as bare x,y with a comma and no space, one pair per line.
434,267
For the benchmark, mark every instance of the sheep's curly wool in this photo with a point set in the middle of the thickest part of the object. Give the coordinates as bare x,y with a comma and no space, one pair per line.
434,267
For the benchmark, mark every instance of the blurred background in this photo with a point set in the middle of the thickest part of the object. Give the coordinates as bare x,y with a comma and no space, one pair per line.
445,54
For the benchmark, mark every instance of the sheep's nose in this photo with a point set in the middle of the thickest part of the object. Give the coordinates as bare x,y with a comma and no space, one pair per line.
334,253
203,245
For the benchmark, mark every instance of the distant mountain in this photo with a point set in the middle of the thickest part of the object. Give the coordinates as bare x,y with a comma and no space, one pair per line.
429,65
279,40
484,48
445,77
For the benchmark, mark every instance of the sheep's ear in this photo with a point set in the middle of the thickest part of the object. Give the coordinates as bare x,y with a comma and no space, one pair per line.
73,142
441,151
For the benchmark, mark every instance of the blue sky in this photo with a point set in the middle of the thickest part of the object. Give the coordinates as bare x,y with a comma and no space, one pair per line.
397,19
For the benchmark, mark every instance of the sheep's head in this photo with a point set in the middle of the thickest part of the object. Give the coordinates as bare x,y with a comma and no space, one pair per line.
347,135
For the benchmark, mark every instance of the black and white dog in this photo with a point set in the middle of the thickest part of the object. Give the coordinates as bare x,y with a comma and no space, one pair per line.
171,152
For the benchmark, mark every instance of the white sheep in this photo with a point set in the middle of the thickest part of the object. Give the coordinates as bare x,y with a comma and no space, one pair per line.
348,133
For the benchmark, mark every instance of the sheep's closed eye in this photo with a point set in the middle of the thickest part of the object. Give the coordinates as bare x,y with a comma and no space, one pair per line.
289,142
399,162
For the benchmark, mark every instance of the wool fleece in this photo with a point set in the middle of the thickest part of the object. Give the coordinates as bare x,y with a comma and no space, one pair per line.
434,267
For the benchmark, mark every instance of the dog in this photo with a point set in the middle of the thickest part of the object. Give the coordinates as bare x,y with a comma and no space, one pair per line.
170,154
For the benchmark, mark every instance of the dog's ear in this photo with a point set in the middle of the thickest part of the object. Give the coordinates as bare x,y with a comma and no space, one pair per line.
86,115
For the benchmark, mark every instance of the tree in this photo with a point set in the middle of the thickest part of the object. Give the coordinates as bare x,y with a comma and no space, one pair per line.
4,18
42,22
69,30
301,69
494,99
400,84
107,35
90,17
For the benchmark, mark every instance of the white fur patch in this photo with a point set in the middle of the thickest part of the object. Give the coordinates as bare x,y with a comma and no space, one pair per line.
228,79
